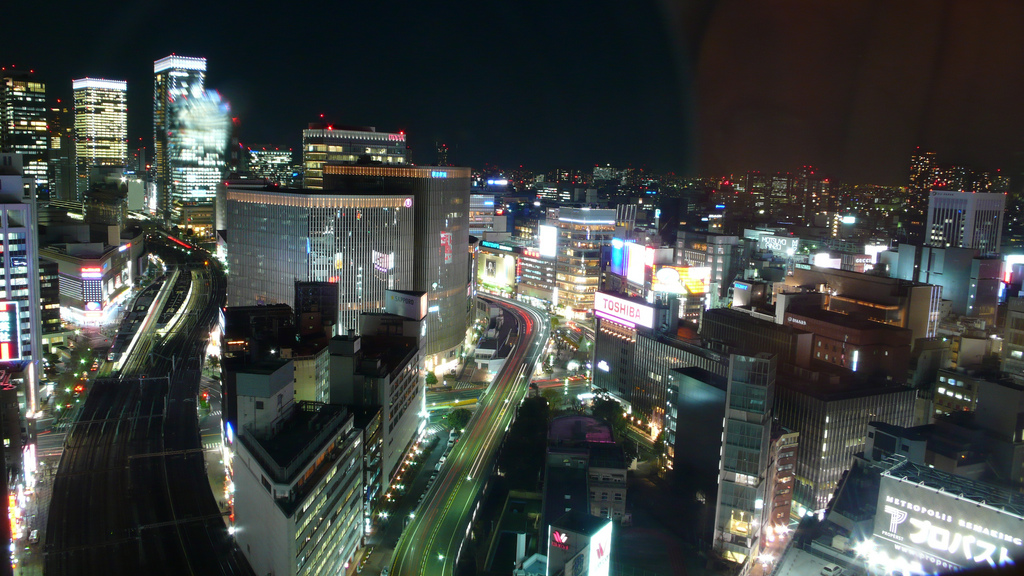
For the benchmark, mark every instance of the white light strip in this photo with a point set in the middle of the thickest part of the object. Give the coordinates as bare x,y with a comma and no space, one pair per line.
180,63
99,83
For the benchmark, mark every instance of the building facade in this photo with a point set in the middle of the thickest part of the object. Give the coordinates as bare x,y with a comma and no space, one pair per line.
361,243
965,220
581,234
101,129
322,145
440,200
23,122
275,165
197,138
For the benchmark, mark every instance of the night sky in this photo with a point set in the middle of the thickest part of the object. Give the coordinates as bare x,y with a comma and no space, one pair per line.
691,86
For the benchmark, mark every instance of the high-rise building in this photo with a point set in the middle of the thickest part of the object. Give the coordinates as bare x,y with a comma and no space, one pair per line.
923,167
61,161
965,220
347,145
581,234
101,130
23,122
362,242
197,136
20,306
440,198
174,77
273,164
743,486
1013,340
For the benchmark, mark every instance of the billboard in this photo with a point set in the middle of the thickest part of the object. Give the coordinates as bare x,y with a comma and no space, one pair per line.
498,270
446,247
600,551
923,529
622,310
618,260
548,240
636,258
406,304
681,279
781,244
10,332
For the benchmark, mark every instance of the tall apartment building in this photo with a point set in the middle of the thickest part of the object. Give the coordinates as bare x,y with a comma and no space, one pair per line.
581,234
61,155
743,485
362,242
322,145
439,198
174,77
965,220
297,473
101,130
23,125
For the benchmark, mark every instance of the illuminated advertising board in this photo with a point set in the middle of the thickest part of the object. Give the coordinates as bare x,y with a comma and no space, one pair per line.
618,261
10,332
600,551
404,304
636,258
680,280
780,244
92,272
498,270
548,241
921,529
624,311
446,247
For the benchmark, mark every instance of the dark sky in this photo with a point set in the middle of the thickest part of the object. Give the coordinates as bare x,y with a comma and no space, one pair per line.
533,82
693,86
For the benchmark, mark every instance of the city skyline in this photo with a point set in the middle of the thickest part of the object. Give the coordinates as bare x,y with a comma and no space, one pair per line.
666,86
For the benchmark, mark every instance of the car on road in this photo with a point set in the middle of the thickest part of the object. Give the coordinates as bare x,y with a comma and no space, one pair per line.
33,537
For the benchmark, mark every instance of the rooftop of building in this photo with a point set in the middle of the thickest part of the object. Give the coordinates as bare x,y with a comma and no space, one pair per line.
845,320
915,434
264,366
306,430
607,456
837,386
579,428
977,492
382,355
580,523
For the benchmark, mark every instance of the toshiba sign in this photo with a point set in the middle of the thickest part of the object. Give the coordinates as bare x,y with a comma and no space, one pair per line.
620,310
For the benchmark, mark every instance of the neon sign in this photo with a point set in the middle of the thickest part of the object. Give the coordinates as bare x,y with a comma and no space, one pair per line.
92,272
620,310
560,539
438,174
446,246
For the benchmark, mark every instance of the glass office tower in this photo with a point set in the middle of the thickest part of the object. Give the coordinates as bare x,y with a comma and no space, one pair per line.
174,77
101,128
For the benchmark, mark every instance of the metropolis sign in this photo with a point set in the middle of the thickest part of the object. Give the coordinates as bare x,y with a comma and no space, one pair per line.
942,531
621,310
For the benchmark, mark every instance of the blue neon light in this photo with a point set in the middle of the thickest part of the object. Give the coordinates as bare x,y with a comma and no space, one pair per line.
438,174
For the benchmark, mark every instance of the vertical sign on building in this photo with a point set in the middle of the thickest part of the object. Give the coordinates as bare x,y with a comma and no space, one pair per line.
10,332
446,246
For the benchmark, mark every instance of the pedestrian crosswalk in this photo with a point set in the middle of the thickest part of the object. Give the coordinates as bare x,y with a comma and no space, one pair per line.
211,445
215,413
466,385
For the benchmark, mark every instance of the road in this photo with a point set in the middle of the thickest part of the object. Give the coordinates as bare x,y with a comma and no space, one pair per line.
131,493
432,540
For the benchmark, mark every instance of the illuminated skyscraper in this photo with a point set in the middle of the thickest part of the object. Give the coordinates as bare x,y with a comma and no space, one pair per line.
274,164
965,220
173,77
327,144
101,127
23,121
197,136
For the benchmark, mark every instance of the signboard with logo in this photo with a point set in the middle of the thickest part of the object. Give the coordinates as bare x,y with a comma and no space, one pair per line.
600,550
778,244
10,332
622,310
931,531
404,304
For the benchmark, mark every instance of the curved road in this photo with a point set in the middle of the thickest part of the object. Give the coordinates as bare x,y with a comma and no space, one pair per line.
431,542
